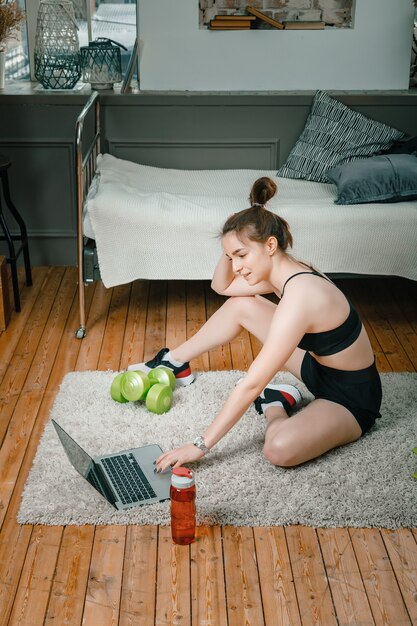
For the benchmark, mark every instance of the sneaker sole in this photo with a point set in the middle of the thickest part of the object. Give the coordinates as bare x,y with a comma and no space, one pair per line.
185,381
290,389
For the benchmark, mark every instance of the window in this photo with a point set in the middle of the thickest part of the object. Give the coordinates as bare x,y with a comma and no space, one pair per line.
17,56
111,19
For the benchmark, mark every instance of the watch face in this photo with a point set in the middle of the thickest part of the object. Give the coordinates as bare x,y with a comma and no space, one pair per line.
199,442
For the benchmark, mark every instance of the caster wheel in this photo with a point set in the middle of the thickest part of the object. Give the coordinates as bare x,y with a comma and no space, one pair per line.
80,333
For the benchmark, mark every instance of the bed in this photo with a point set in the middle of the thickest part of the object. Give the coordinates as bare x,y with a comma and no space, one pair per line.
135,221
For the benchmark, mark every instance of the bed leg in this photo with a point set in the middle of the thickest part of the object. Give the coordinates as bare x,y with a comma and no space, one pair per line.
81,332
85,168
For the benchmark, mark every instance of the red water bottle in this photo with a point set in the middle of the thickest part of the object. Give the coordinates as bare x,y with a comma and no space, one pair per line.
182,494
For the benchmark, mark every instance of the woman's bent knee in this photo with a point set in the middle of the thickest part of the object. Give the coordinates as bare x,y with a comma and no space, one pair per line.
280,454
240,301
243,307
254,313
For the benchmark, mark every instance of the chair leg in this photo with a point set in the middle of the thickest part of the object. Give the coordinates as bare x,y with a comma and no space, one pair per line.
15,281
11,259
21,223
28,269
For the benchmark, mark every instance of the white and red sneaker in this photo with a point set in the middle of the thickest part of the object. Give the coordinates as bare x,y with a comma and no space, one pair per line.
182,372
286,396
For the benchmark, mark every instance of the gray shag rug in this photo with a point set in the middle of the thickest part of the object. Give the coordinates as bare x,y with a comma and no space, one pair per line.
368,483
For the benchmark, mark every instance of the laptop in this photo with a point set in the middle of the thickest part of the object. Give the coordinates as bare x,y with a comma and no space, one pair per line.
126,479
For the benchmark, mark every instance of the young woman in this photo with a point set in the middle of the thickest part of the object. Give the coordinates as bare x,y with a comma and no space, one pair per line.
314,332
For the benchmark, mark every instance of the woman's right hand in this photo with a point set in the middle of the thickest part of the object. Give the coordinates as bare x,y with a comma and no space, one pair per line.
223,275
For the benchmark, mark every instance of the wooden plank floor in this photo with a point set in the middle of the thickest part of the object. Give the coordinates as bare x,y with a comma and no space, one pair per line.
128,576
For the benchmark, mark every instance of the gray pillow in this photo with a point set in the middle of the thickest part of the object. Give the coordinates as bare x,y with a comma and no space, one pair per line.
335,134
384,178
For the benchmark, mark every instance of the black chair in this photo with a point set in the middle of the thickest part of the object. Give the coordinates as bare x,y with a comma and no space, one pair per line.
14,254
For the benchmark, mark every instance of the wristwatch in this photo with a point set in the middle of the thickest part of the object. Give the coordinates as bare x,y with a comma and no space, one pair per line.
201,445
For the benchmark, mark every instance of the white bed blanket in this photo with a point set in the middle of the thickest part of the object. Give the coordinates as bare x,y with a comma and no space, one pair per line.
158,223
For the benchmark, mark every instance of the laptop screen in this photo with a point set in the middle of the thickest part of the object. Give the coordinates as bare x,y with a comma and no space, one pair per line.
78,457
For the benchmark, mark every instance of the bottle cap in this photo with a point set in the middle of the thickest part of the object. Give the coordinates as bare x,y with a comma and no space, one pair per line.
182,477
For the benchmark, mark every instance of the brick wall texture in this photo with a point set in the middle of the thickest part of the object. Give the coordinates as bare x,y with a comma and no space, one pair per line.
336,13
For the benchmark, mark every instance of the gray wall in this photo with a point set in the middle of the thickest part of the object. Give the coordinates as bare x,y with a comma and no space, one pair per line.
177,55
168,130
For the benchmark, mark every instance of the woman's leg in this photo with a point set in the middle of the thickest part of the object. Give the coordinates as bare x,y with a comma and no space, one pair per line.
254,313
321,426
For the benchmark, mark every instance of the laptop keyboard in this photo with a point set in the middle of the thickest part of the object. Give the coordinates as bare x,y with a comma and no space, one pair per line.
128,479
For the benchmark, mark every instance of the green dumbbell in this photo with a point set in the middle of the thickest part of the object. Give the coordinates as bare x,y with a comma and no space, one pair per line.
163,375
115,390
159,398
135,385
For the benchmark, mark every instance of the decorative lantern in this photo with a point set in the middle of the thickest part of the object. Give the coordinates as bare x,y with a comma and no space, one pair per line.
101,63
57,49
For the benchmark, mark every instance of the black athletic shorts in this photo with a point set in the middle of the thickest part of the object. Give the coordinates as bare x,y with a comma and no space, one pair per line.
359,391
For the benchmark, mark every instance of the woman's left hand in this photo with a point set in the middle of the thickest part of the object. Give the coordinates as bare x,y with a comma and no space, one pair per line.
179,456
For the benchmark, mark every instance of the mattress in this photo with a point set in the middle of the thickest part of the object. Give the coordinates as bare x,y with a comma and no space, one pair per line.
154,223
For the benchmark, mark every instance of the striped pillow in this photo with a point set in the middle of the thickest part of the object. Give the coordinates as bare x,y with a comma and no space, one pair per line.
334,134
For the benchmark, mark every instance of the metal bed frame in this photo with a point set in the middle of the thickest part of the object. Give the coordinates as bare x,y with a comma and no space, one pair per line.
85,165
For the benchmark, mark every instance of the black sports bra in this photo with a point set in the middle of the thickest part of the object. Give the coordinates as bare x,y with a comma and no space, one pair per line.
330,341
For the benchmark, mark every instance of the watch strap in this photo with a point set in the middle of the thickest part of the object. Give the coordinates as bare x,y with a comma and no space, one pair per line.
201,445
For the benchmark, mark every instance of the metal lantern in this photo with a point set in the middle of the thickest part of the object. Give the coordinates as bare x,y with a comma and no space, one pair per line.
101,63
57,49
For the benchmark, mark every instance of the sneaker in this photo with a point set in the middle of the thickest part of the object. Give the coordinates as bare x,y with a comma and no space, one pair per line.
183,372
287,396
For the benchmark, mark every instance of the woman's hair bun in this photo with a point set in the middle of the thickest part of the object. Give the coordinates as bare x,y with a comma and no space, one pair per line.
259,224
262,190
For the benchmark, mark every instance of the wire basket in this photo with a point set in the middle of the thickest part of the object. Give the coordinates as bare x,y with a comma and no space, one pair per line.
101,63
57,49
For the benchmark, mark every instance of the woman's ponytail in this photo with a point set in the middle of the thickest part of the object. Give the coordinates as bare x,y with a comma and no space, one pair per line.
257,222
262,190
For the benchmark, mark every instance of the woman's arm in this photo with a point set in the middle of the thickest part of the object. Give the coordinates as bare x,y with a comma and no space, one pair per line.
287,328
223,274
235,406
226,283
